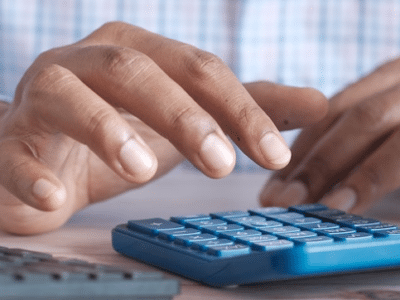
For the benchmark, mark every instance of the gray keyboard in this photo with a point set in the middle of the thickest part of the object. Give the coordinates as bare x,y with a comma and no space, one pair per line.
28,274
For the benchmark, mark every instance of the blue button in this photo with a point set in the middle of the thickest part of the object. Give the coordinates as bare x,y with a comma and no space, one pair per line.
226,214
223,228
153,226
334,231
172,234
356,236
241,233
229,250
254,239
308,207
299,234
205,245
379,227
182,219
286,217
359,222
302,221
317,226
313,240
272,245
205,223
386,233
267,211
283,229
188,240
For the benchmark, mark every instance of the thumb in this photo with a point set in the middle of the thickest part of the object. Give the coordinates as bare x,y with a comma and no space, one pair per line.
289,107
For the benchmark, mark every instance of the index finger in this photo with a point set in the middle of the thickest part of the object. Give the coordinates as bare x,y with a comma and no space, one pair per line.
212,85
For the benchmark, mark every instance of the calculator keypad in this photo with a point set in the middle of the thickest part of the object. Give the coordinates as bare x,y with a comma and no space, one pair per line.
232,233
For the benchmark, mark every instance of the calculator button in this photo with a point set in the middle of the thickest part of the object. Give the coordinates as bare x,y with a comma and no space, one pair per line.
313,240
308,207
303,221
254,239
386,233
241,233
276,230
345,217
183,219
299,234
316,226
153,226
229,250
287,217
255,222
328,213
352,236
267,211
223,228
379,227
226,214
205,245
205,223
360,222
172,234
188,240
334,231
272,245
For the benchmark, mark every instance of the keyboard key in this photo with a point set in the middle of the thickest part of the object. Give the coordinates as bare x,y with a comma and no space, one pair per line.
345,217
313,240
276,230
229,250
254,239
356,236
272,245
241,233
188,240
153,226
254,222
386,233
327,213
286,217
205,245
170,235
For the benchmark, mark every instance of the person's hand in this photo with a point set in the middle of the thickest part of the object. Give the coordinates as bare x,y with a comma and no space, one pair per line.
352,157
118,109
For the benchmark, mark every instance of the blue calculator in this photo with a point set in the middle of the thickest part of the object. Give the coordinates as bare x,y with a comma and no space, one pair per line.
262,244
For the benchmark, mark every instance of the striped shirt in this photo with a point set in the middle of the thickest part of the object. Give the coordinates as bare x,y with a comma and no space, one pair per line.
325,44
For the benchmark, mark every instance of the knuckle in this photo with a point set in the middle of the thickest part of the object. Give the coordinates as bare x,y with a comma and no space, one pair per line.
202,65
368,117
185,118
51,77
99,123
123,61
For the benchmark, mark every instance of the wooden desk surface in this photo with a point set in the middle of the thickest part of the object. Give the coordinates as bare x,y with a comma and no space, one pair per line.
88,236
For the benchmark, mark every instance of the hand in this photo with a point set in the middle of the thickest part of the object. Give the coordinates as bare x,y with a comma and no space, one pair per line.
122,107
351,158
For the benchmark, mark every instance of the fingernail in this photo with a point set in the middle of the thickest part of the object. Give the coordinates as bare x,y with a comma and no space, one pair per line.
271,189
274,150
43,188
215,154
134,158
294,193
343,199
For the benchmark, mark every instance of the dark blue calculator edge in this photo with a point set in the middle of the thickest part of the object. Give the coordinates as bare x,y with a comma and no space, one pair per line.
298,262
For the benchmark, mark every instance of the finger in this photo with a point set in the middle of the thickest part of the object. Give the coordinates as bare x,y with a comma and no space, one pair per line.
383,78
83,115
378,175
28,179
212,85
289,107
352,139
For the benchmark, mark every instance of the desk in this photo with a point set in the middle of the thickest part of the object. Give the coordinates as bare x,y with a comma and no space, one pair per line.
88,236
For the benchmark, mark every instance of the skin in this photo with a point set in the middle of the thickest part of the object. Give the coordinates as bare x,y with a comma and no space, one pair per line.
350,159
124,106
